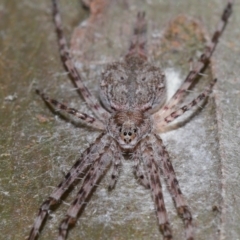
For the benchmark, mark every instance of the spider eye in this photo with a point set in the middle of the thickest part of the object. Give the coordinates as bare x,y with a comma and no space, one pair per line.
120,129
125,133
135,130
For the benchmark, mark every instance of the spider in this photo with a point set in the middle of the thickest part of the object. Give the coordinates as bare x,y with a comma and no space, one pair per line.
131,91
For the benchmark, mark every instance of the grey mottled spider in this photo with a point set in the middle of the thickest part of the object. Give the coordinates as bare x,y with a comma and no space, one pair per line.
131,91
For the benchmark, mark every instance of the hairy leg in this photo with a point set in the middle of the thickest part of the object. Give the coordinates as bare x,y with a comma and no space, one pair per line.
139,170
179,112
83,116
93,104
138,41
153,173
117,161
94,174
200,65
91,154
169,174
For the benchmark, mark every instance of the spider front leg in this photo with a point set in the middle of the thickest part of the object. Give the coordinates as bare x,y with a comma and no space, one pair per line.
200,65
153,173
91,154
139,171
94,174
173,185
117,161
93,104
83,116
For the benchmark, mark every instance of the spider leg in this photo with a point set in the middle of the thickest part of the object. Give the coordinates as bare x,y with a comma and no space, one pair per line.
201,64
117,157
139,171
173,186
138,40
83,116
179,112
100,112
94,174
156,189
93,152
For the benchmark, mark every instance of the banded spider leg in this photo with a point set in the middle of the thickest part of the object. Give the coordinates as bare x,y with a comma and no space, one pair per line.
165,112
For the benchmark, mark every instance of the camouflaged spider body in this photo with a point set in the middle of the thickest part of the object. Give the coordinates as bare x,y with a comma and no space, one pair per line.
131,91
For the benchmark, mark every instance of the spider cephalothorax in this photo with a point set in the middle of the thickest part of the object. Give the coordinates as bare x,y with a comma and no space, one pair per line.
129,127
131,91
